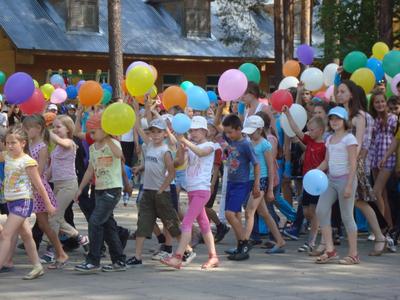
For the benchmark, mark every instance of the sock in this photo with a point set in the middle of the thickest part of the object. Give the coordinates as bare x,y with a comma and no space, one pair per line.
161,238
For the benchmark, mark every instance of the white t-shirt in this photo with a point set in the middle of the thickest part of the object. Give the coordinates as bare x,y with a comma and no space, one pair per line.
155,169
127,137
338,156
199,170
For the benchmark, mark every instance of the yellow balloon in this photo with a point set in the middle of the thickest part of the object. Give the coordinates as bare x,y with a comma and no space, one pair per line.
379,50
139,80
35,83
118,118
365,78
153,91
47,89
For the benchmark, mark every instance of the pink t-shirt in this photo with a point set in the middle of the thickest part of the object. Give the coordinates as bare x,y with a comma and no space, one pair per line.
63,163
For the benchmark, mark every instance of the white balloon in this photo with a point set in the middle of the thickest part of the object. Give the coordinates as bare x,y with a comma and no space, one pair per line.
288,82
329,73
388,78
299,116
313,79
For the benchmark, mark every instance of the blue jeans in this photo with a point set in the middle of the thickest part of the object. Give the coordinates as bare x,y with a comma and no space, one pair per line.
102,227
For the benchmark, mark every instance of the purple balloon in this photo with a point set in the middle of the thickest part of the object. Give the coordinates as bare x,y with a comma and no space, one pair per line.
394,83
80,82
305,53
138,63
232,85
19,88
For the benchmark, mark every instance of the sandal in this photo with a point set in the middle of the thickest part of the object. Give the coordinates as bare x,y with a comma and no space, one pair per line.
378,252
212,262
350,260
327,257
169,261
57,265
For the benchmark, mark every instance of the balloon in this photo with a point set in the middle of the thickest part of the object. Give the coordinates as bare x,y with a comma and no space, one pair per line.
2,78
315,182
197,98
305,53
251,71
138,63
394,83
354,60
388,78
365,78
106,86
72,92
90,93
280,98
329,92
288,82
379,50
139,80
375,66
106,97
35,83
291,68
313,79
181,123
212,96
57,79
299,115
118,118
35,104
391,63
153,92
58,96
47,89
329,73
368,100
19,88
80,82
232,85
1,98
174,96
389,92
186,84
155,72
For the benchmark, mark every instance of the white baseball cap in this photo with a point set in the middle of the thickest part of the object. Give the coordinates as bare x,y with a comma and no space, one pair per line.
199,122
158,123
52,107
144,123
252,124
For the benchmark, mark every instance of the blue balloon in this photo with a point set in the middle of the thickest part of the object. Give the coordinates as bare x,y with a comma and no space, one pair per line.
375,65
241,108
57,79
181,123
106,86
212,96
315,182
72,92
197,98
1,97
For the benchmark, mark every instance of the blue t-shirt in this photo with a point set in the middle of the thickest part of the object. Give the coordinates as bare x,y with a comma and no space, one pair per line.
240,156
260,149
280,133
2,164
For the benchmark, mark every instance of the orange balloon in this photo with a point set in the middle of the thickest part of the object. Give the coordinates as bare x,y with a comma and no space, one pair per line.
124,86
291,68
90,93
140,99
155,72
174,96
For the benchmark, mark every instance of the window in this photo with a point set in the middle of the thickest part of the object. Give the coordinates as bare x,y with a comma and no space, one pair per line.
212,83
170,79
83,15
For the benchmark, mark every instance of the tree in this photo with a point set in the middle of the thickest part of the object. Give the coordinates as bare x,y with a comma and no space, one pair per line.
288,12
305,22
278,11
115,47
385,21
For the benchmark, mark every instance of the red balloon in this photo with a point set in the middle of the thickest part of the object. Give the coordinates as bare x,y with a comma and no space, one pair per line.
280,98
35,104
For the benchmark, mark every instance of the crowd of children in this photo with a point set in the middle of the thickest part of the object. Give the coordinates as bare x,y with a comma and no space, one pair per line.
51,160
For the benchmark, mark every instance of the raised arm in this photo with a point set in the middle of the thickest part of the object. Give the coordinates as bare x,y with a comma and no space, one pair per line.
292,123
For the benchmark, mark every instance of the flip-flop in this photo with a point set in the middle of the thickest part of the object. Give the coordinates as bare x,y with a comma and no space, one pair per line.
275,250
57,265
6,269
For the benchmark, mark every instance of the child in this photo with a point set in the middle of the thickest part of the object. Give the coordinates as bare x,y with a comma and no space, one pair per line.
314,156
340,161
241,156
105,165
20,171
156,201
35,127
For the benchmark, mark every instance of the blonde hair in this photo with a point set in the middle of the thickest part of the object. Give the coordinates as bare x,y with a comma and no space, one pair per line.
69,123
20,134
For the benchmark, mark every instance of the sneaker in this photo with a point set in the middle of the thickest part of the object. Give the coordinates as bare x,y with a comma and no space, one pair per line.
119,266
187,257
160,255
134,262
390,244
36,272
371,237
86,267
231,251
221,232
241,254
291,233
305,248
47,258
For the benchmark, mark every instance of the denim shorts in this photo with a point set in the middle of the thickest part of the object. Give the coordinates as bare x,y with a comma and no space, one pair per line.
237,194
22,207
263,184
180,179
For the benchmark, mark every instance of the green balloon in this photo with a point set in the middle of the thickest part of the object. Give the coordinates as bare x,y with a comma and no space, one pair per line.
354,60
2,78
186,84
391,63
251,71
106,97
368,100
389,92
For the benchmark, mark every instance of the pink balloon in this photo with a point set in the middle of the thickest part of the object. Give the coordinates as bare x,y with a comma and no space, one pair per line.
35,104
394,83
138,63
329,92
232,85
58,96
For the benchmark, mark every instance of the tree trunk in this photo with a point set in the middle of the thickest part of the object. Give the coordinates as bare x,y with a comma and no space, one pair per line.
305,22
288,12
385,21
278,39
115,47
